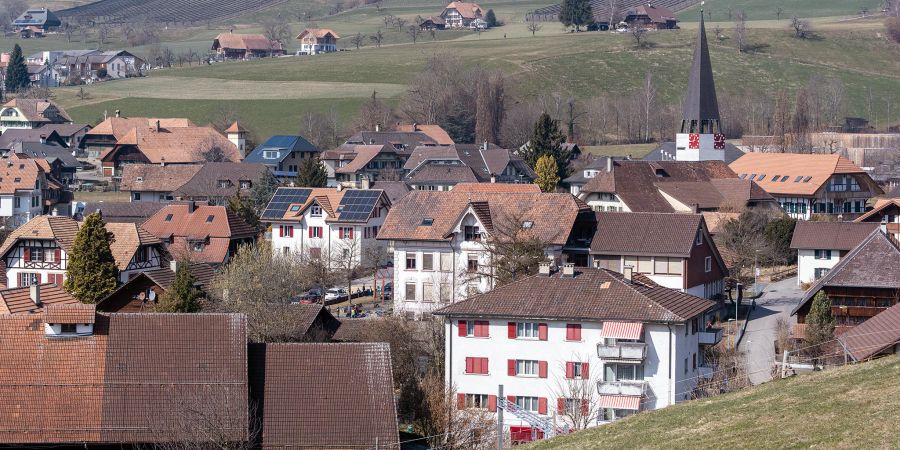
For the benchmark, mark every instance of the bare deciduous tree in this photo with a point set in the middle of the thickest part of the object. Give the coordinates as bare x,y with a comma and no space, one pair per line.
377,38
800,27
489,106
778,12
534,26
740,30
576,391
414,31
648,96
277,29
511,251
400,22
358,40
637,34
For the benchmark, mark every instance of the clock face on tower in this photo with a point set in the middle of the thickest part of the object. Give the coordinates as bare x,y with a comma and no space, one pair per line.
719,142
694,141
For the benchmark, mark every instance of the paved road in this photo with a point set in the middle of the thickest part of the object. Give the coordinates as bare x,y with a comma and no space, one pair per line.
758,344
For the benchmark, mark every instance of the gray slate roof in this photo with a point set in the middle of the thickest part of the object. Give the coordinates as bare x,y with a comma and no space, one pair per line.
700,102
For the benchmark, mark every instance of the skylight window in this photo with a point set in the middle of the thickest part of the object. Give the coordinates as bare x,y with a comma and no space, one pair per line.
799,177
527,225
168,218
784,178
806,180
762,176
776,177
210,218
743,175
295,208
427,222
752,176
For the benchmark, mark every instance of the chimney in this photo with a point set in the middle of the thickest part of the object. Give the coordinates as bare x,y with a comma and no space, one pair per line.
609,164
484,145
364,183
493,178
54,212
339,187
155,126
568,270
544,268
162,161
628,273
118,113
43,139
192,206
35,294
173,265
377,128
415,126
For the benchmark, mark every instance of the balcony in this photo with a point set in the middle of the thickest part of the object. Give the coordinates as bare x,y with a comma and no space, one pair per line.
711,336
623,350
622,387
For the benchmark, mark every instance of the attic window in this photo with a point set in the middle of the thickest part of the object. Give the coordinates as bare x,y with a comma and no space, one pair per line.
210,218
246,184
18,180
427,222
527,225
269,154
752,176
806,180
784,178
21,166
799,177
139,179
168,218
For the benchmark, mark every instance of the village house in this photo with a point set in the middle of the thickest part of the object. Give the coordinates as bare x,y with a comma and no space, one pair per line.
358,165
33,299
97,66
652,16
70,133
810,184
36,22
142,292
444,243
878,336
431,168
212,182
155,183
576,344
159,145
582,172
821,245
38,251
245,46
317,40
461,14
30,113
23,183
200,233
62,164
887,213
39,135
860,286
402,141
673,250
283,154
435,132
106,134
669,186
336,225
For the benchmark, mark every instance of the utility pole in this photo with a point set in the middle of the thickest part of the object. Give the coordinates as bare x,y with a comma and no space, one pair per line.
500,398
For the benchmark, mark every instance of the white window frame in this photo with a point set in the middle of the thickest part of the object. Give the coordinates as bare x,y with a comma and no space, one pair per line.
527,403
527,367
707,264
527,330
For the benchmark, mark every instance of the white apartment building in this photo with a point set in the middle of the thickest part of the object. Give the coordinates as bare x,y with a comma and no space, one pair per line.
578,345
331,223
443,241
821,245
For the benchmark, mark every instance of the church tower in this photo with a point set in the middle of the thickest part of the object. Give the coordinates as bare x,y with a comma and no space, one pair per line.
701,137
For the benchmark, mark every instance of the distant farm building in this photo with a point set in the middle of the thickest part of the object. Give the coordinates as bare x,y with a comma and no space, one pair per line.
658,14
34,22
317,40
242,46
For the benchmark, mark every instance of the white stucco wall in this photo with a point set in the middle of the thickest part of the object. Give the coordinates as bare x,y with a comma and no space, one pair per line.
807,264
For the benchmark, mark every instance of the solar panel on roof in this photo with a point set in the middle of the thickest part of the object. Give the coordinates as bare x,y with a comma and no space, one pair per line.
283,199
358,204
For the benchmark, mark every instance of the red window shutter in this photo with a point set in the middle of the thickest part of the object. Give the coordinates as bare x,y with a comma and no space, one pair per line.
462,327
511,330
291,229
461,401
542,331
470,365
351,232
511,367
511,398
309,229
340,232
484,366
560,406
482,328
584,371
492,403
568,332
584,408
280,230
542,405
27,254
570,370
58,254
542,369
576,332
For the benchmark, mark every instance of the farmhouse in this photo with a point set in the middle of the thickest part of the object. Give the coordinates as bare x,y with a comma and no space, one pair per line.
244,46
212,182
106,134
96,66
60,161
317,40
887,213
35,22
200,233
30,113
22,187
581,345
461,14
821,245
875,337
652,16
807,184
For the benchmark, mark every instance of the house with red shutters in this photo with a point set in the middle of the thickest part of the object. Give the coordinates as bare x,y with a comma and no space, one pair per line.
576,347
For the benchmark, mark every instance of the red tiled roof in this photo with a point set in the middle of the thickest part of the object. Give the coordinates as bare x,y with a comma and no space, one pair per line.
818,169
592,294
214,225
60,228
466,10
20,174
69,313
256,42
433,131
318,33
18,300
118,127
175,145
497,187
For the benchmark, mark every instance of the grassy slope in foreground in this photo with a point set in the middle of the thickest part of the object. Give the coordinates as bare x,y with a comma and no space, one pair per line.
848,407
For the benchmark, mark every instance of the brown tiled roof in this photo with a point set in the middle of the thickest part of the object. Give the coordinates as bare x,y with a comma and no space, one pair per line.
442,173
36,110
156,178
880,206
236,128
127,238
819,169
64,129
700,193
318,33
19,174
830,235
497,187
482,162
657,14
408,141
318,396
134,212
60,228
205,182
466,10
118,127
69,313
637,182
433,131
553,215
14,135
874,335
175,145
197,224
364,154
656,234
256,42
592,294
164,277
18,300
866,266
395,190
351,330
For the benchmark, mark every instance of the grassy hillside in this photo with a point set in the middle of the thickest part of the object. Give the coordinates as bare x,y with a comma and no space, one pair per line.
849,407
765,9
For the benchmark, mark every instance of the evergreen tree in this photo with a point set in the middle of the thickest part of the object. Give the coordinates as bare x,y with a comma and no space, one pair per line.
491,18
583,15
92,273
16,71
312,173
819,321
244,209
263,190
546,138
567,12
183,296
547,178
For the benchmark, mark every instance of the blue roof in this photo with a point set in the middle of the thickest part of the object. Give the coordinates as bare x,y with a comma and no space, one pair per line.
277,148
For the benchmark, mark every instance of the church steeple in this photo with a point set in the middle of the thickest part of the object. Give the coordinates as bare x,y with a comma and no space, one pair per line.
701,108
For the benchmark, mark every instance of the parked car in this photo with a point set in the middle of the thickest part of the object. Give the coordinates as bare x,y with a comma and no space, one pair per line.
335,294
387,291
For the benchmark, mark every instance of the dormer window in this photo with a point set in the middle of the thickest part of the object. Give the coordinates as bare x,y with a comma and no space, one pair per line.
139,179
315,211
224,184
471,233
271,154
66,320
246,184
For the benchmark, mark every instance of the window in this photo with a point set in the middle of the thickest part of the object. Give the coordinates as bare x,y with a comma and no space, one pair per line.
694,357
707,264
198,246
136,196
28,279
527,403
573,331
345,233
623,372
446,262
410,292
479,401
823,254
142,255
699,238
641,264
271,154
410,261
427,292
285,251
295,208
224,184
474,328
428,261
315,232
18,202
610,414
315,253
577,370
50,254
477,365
472,262
315,211
527,367
246,184
168,218
471,233
427,222
820,272
527,330
35,201
37,254
668,266
446,292
210,218
285,231
68,328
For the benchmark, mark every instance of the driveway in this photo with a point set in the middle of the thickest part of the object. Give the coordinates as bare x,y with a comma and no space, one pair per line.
758,344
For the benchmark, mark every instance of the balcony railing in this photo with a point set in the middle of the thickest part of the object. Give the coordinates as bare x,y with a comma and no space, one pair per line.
711,336
622,350
622,387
